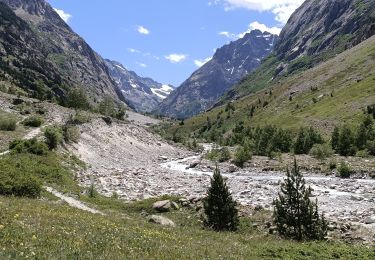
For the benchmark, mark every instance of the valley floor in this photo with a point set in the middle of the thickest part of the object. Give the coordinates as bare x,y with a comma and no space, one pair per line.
126,159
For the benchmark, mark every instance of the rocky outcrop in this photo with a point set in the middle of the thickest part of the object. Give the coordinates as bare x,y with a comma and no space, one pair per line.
228,66
47,56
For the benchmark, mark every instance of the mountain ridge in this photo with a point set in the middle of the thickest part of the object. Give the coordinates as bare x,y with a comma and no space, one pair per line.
229,65
142,93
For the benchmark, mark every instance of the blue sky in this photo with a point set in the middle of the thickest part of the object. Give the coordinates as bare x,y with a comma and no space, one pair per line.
168,40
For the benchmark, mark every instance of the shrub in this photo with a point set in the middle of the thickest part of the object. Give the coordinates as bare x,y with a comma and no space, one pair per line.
71,133
332,165
79,119
77,99
19,185
295,215
306,139
91,192
371,147
32,146
53,136
344,170
241,156
7,123
321,151
219,207
33,121
220,155
362,154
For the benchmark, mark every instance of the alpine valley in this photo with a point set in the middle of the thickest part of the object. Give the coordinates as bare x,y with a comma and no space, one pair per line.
267,151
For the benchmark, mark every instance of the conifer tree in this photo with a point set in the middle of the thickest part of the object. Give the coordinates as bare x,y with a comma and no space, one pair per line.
335,138
219,207
296,216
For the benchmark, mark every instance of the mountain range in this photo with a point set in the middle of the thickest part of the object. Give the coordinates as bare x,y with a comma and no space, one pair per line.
142,94
227,67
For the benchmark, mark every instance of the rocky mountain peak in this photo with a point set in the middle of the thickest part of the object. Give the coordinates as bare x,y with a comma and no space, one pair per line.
228,66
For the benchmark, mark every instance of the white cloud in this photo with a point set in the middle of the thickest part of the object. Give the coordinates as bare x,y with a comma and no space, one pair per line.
200,63
140,64
228,35
261,27
142,30
176,58
65,16
282,9
131,50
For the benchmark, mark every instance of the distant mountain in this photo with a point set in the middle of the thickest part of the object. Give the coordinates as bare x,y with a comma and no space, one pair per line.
316,32
143,94
41,54
228,66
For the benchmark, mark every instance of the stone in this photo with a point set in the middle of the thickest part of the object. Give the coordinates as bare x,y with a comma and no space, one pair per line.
369,220
161,221
232,169
162,206
258,207
194,164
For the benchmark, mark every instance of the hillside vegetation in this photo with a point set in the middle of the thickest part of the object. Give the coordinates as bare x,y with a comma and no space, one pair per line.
333,93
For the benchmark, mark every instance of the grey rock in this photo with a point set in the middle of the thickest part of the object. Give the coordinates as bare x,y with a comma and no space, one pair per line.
162,206
161,220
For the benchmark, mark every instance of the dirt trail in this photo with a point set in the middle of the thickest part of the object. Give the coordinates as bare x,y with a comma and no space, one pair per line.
73,202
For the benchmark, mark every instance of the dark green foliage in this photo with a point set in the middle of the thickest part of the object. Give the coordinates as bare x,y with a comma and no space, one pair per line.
77,99
219,207
54,136
347,142
91,192
7,123
296,216
108,107
17,184
241,156
33,121
335,140
344,170
32,146
306,139
219,155
79,119
321,151
261,140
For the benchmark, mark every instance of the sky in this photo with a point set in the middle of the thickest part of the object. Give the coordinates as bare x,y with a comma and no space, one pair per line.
168,40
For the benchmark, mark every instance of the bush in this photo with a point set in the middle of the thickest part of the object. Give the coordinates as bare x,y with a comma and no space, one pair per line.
71,133
33,121
79,119
362,154
77,99
344,170
306,139
7,123
219,207
295,215
241,156
53,136
321,151
20,186
332,165
32,146
220,155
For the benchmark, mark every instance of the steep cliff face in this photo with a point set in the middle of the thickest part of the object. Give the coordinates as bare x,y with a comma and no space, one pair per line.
229,65
322,25
316,32
143,94
58,47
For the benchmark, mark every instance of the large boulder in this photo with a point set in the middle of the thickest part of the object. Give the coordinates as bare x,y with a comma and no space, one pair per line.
369,220
161,221
162,206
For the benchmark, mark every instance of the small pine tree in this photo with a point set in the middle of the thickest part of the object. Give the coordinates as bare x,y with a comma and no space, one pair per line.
296,216
219,206
335,139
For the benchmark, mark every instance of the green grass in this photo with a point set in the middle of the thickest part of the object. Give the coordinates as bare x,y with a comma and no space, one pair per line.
7,136
44,229
342,87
